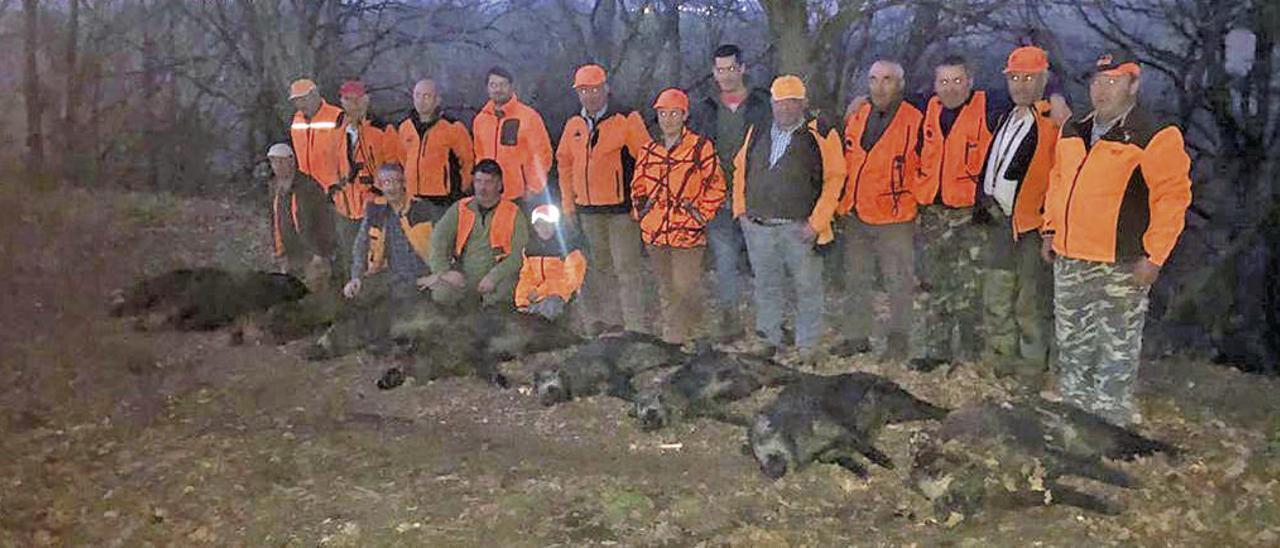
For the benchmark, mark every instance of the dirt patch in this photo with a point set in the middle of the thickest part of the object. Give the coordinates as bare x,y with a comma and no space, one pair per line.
115,437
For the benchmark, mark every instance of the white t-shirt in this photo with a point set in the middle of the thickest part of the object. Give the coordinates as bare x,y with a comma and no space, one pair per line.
1004,146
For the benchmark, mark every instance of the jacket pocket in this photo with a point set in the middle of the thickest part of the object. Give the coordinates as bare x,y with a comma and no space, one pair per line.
510,132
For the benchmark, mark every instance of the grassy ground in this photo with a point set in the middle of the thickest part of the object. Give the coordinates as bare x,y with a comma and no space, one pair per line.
115,437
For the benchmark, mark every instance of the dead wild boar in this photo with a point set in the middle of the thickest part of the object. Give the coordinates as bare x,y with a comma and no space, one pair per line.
605,365
704,384
1008,456
203,299
829,419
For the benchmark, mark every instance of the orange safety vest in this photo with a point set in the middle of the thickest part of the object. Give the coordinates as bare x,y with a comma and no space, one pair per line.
276,225
504,224
953,162
879,185
319,144
416,222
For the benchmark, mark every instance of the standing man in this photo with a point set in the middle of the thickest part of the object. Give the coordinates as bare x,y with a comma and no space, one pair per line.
678,188
316,133
880,211
787,182
436,150
1017,293
301,227
514,135
953,144
724,118
368,143
1118,195
596,158
478,245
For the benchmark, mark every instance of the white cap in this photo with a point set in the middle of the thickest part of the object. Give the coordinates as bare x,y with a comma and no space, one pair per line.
546,212
280,150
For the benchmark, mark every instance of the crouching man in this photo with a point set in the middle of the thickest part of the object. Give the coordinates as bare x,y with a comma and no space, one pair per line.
388,261
477,247
553,268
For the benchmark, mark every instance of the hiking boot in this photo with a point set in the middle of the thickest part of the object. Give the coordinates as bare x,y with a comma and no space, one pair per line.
851,347
925,365
896,348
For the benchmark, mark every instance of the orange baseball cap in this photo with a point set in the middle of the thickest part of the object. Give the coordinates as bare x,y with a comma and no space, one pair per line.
787,87
1027,59
589,76
301,87
1117,64
672,98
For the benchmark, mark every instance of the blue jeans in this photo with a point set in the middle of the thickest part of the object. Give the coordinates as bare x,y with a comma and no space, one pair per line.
724,237
775,251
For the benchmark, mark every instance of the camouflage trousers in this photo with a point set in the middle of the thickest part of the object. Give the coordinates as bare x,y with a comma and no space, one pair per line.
1017,298
1099,313
953,248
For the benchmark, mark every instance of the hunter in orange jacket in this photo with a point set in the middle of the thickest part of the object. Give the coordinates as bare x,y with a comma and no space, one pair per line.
369,142
880,179
1123,198
316,133
553,266
514,134
677,191
950,161
435,150
822,140
596,160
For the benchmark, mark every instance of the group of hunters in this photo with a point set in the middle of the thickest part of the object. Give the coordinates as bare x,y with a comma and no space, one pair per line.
1041,232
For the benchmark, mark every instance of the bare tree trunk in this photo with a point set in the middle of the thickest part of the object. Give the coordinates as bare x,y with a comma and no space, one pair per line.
150,125
789,32
35,107
71,152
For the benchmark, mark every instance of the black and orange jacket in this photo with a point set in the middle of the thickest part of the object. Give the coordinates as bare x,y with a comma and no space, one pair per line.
516,137
415,221
318,144
301,224
677,191
375,145
552,268
437,157
950,162
880,179
823,142
1122,198
596,163
1030,167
